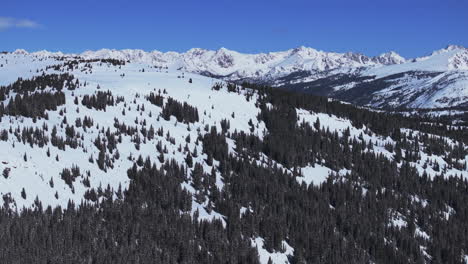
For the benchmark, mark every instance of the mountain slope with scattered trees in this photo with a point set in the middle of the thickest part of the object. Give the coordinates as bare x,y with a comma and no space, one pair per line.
111,161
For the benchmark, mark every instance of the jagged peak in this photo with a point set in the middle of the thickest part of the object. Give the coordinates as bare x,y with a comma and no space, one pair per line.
390,57
454,47
225,51
448,48
20,52
46,53
196,51
303,50
390,53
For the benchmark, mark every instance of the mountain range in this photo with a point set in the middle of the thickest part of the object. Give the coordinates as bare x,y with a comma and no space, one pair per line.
389,81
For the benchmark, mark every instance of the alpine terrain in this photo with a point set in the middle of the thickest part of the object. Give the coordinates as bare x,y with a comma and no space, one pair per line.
299,156
439,80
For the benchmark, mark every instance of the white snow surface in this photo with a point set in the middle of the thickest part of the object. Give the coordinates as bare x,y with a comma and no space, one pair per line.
276,257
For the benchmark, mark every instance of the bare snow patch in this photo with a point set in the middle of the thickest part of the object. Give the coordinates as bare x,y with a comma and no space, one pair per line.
276,257
316,174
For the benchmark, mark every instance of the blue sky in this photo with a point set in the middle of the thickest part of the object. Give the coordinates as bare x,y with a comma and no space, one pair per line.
411,28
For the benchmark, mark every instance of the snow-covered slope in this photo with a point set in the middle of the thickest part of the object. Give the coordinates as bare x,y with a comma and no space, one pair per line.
33,162
127,81
133,82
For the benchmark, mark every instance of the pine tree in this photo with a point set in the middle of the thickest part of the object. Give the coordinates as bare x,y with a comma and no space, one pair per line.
6,173
23,193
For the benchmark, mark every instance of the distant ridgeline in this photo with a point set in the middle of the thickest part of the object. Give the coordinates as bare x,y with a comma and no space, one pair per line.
212,181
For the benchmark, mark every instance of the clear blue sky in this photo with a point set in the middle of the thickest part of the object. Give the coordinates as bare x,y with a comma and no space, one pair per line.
411,28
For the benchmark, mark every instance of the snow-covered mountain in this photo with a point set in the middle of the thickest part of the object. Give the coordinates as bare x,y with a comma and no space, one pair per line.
387,81
132,83
234,65
78,129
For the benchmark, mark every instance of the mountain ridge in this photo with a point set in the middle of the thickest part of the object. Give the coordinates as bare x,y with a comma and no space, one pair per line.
110,53
276,64
437,80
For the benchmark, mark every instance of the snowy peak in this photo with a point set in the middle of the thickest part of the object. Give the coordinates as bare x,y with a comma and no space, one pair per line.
196,52
389,58
304,51
459,60
451,48
225,58
20,52
357,57
454,57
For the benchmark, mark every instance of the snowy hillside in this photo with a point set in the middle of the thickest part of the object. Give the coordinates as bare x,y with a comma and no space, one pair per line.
81,129
130,83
